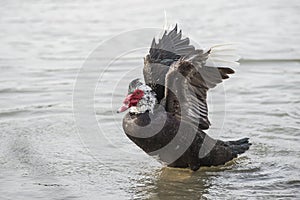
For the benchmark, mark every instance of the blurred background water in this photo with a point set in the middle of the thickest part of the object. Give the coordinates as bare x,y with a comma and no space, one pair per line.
44,44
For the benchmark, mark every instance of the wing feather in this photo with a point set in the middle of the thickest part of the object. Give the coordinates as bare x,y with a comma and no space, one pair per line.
187,74
170,48
187,83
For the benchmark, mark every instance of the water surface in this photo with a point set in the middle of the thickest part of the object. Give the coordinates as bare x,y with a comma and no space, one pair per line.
44,44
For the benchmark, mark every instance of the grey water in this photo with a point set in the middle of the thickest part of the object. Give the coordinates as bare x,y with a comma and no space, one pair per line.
45,43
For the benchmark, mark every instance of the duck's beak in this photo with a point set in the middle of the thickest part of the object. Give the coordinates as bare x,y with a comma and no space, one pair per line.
123,108
125,105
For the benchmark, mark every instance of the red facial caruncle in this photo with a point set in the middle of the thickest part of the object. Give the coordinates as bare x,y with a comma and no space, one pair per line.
131,100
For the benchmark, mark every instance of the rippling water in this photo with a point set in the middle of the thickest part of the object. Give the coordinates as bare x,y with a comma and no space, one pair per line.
44,44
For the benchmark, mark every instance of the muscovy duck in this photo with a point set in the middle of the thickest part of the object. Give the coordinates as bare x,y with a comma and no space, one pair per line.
168,113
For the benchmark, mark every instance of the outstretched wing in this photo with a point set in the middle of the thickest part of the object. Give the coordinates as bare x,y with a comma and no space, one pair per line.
169,49
188,81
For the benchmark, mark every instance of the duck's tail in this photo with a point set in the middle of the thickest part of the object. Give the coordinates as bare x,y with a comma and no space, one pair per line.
225,151
239,146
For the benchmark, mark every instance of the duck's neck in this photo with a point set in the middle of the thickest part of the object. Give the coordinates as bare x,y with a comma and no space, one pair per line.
147,103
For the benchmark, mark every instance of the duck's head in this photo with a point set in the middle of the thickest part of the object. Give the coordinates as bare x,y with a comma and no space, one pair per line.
139,99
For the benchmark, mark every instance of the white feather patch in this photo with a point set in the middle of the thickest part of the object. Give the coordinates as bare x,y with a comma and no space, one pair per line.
147,102
223,56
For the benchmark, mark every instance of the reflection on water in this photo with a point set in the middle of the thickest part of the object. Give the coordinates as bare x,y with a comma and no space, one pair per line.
175,183
170,183
179,184
44,43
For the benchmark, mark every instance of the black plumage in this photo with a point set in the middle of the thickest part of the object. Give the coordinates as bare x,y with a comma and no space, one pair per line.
179,76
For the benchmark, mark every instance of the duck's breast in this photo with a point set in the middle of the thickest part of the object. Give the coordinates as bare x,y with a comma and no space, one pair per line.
150,131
